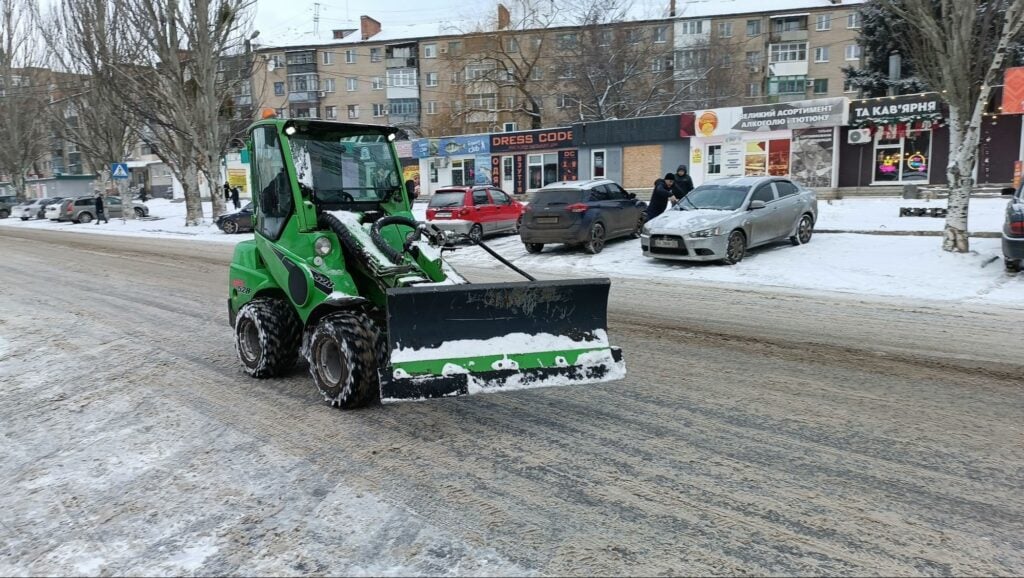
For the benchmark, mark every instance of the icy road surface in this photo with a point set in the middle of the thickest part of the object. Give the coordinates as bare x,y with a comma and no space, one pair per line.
758,432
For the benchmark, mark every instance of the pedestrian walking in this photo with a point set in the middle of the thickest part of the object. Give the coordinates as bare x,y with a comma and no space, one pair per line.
660,196
142,193
234,198
683,183
101,215
227,192
410,189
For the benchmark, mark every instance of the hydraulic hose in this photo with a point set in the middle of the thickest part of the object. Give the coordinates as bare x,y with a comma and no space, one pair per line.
381,243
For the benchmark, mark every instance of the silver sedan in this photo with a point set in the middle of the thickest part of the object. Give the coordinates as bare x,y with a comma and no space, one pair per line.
721,219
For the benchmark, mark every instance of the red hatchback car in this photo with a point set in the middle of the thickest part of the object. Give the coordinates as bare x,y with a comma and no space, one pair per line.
474,211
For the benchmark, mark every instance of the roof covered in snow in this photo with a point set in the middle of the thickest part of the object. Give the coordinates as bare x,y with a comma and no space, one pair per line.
711,8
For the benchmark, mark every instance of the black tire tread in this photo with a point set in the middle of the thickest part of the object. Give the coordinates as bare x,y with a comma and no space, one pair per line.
364,347
280,328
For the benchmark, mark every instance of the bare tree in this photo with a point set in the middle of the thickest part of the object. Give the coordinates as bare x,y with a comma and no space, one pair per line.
87,42
960,49
179,88
24,93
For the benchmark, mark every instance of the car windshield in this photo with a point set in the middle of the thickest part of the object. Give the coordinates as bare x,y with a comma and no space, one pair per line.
711,196
557,197
447,199
344,169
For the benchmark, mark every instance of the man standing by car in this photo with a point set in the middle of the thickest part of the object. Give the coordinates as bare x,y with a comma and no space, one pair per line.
683,183
100,213
659,197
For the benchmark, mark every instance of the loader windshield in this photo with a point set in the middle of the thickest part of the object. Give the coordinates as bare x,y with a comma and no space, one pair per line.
340,171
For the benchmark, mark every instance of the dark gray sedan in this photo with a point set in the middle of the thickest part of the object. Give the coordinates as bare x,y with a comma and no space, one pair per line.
1013,232
721,219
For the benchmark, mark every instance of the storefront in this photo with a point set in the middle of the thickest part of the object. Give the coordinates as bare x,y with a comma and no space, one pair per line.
632,152
895,140
452,161
525,161
794,139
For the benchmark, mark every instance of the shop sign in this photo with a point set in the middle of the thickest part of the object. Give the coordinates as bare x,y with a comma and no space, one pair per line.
898,109
812,156
1013,91
404,149
790,115
696,156
568,166
450,146
531,140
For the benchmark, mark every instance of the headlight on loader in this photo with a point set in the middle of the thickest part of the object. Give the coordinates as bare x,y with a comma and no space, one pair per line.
705,233
322,246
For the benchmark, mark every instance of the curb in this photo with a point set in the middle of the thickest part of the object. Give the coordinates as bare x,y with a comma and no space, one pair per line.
979,235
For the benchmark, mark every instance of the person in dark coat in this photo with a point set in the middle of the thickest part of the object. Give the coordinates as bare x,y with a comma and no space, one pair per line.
234,198
227,192
101,215
660,196
410,189
683,184
142,193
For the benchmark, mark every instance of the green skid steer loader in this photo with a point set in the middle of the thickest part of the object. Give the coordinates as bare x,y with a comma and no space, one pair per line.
340,271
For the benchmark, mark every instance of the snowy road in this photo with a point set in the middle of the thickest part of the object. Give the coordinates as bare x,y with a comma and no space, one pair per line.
758,432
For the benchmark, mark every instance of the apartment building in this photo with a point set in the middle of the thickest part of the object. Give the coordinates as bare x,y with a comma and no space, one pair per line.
434,81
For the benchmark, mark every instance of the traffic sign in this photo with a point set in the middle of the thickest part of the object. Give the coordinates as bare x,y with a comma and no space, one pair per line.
119,170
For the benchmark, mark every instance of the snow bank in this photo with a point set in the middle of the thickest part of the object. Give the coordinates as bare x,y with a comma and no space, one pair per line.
511,344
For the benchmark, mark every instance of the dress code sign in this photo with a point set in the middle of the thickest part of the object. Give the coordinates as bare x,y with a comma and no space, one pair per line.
531,140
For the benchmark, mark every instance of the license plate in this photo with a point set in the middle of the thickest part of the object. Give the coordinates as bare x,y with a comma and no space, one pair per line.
667,243
443,215
547,220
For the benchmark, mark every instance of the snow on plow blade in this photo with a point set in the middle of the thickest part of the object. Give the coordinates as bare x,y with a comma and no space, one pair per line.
457,339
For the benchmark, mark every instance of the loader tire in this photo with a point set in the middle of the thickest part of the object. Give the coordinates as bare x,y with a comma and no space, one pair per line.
267,337
344,357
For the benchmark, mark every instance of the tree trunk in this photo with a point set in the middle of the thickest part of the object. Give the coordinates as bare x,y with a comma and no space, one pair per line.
964,138
193,201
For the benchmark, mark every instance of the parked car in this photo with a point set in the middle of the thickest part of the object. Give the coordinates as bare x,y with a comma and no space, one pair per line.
1013,232
583,213
83,209
238,222
7,202
52,210
475,211
723,218
35,209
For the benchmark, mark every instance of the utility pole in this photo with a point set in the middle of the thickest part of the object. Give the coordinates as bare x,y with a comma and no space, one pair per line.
895,64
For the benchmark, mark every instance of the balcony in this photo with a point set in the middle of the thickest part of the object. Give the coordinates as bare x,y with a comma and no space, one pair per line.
400,62
787,36
308,96
306,68
404,118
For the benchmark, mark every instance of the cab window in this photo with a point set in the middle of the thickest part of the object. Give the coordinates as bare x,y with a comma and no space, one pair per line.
274,202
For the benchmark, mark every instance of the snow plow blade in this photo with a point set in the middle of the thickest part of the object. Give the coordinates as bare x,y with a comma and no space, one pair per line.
461,339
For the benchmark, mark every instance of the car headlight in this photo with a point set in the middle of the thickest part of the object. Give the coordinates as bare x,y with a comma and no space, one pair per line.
322,246
645,230
705,233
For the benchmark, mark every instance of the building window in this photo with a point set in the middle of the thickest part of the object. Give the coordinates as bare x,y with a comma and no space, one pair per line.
454,48
293,58
755,58
351,84
479,71
754,27
789,52
632,36
604,38
377,83
303,83
537,73
787,85
376,55
353,111
279,113
906,158
848,86
820,85
404,107
432,79
278,60
566,41
690,59
328,85
563,101
714,162
790,24
766,158
754,89
430,50
853,20
541,170
379,110
821,54
278,89
567,71
431,107
823,22
661,34
658,65
692,27
597,164
511,45
725,29
853,51
402,78
482,102
350,56
725,61
328,58
331,112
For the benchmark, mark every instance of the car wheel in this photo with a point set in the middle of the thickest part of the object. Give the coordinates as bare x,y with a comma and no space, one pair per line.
639,227
534,247
736,248
230,227
1012,265
519,225
139,213
596,243
476,233
84,218
803,231
24,218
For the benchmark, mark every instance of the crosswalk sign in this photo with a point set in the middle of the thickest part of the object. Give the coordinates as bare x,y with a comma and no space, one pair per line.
119,170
